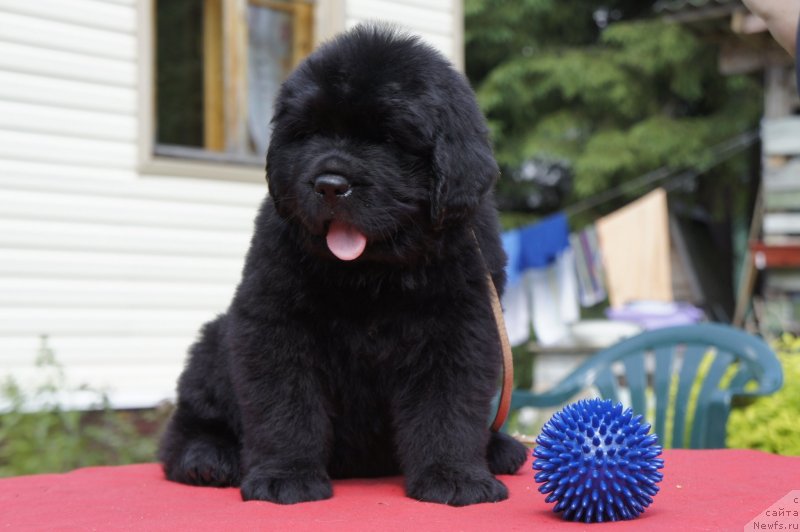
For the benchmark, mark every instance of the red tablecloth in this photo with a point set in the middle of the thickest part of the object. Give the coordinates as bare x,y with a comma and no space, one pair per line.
701,490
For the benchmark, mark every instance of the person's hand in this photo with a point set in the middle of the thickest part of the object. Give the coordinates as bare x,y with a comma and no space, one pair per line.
781,17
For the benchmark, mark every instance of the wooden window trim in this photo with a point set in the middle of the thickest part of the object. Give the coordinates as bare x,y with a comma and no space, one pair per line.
213,88
164,160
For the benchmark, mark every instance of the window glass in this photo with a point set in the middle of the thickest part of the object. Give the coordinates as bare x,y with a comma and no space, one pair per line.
269,60
218,67
179,73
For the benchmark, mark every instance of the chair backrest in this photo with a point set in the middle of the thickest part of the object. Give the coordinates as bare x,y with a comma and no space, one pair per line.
676,375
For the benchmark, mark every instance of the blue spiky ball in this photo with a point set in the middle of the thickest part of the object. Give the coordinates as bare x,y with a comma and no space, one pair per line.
597,462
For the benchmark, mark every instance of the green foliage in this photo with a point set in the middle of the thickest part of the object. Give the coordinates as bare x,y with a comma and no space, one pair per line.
37,435
615,103
497,30
771,423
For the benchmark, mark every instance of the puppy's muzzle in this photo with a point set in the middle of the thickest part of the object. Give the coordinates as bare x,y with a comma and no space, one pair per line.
332,187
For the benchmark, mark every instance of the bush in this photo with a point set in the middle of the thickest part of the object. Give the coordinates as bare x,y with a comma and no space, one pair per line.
771,423
38,435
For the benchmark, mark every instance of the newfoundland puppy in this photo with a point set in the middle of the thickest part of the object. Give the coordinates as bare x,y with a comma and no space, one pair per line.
360,341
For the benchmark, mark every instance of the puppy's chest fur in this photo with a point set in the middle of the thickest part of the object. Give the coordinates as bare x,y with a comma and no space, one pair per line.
380,332
363,357
368,336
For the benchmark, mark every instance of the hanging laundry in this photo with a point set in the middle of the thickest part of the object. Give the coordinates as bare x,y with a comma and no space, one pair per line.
516,306
544,292
589,266
568,306
542,242
634,241
554,299
512,245
517,311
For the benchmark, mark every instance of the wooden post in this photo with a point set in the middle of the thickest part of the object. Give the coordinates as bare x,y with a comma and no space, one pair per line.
750,272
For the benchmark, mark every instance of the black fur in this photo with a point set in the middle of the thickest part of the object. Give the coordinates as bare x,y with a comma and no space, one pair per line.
386,364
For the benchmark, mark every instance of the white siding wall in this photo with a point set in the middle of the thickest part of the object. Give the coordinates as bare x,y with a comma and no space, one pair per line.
116,269
437,21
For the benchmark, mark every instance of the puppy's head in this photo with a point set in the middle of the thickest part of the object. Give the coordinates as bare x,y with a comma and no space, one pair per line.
377,144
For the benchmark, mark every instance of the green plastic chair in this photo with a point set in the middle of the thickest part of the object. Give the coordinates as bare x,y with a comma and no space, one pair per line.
667,365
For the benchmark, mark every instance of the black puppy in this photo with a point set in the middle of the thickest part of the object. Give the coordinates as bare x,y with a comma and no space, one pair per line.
360,341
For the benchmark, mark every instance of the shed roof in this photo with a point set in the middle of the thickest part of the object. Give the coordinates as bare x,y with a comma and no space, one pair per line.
680,5
696,10
700,12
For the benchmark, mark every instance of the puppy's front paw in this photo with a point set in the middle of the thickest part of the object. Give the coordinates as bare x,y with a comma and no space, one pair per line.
505,455
456,487
286,490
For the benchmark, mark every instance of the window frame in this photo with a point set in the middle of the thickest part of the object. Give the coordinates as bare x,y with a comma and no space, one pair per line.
328,17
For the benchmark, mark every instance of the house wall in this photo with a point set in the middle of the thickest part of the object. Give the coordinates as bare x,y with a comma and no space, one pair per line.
439,22
109,269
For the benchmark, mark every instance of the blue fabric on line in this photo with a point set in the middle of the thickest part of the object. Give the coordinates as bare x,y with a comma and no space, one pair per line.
543,242
513,247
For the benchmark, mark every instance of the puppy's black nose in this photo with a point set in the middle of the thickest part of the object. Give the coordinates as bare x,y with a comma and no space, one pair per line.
331,186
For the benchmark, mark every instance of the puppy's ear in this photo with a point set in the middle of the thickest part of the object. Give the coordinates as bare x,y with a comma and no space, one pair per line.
463,164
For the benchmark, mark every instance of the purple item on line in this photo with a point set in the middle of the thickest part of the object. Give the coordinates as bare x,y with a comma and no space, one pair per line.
656,314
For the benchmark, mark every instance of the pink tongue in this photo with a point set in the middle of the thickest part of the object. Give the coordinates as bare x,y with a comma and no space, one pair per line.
345,241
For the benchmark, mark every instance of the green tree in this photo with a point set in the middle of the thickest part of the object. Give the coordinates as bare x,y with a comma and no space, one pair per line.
612,91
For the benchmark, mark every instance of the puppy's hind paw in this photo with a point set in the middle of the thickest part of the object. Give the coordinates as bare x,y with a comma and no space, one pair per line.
289,490
505,455
203,463
455,487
